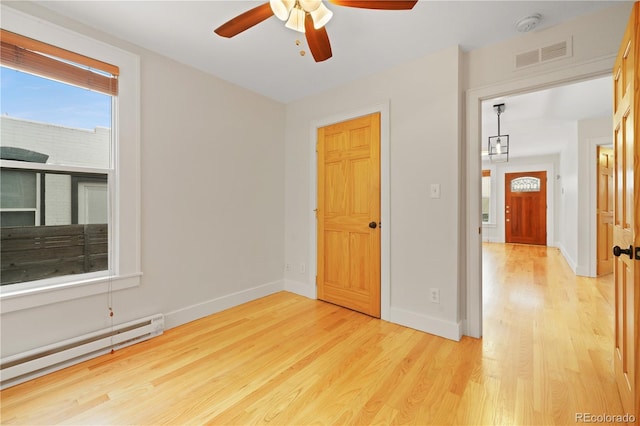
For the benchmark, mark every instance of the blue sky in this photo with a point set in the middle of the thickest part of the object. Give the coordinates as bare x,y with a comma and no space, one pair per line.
34,98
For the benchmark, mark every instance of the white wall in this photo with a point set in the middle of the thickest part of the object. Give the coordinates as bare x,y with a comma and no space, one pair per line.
591,133
212,204
577,236
593,36
212,184
568,229
424,98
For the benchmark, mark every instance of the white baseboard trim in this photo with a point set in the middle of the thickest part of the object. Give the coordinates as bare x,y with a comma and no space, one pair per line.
447,329
572,263
465,330
200,310
583,271
301,288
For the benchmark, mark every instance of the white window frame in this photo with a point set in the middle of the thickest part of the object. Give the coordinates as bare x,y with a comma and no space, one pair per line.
124,184
489,217
492,197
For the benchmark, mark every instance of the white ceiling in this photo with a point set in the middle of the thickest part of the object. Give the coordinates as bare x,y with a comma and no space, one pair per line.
265,58
542,122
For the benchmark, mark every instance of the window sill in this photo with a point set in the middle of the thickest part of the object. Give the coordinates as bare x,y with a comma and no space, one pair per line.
24,298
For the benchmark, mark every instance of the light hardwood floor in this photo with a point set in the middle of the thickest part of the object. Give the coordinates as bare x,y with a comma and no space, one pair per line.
285,359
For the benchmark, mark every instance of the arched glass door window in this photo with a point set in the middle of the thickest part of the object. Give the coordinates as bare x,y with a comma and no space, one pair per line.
525,184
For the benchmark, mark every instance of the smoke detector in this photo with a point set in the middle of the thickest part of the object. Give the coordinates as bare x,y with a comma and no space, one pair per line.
528,23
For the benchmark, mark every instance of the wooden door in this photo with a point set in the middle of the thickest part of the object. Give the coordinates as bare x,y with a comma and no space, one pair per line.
626,223
604,211
526,208
349,214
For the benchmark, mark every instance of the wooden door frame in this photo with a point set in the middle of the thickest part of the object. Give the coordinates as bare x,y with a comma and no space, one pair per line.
385,228
472,323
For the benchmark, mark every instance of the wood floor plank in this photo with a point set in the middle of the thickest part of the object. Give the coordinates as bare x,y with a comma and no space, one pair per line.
288,360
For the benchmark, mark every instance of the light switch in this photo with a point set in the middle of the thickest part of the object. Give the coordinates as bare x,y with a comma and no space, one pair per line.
435,190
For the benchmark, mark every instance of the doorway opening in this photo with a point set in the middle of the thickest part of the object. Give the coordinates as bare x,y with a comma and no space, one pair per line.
542,138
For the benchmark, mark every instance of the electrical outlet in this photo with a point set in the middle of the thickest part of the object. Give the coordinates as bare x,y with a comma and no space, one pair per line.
287,267
434,295
303,268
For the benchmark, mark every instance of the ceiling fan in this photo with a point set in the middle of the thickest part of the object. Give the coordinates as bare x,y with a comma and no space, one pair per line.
306,16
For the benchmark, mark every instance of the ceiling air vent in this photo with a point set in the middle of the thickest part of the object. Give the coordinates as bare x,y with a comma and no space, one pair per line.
528,58
552,52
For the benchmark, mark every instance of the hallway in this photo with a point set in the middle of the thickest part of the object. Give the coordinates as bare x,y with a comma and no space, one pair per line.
557,329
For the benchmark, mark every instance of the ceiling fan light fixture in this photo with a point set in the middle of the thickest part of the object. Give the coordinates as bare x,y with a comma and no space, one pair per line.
309,5
281,8
296,20
321,16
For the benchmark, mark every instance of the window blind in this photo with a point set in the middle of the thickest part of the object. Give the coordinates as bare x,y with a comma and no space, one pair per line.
35,57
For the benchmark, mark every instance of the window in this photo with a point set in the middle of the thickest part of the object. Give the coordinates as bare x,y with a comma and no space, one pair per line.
72,183
18,198
486,196
40,235
525,184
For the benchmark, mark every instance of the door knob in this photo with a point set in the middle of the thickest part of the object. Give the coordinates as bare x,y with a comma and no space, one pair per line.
617,251
373,225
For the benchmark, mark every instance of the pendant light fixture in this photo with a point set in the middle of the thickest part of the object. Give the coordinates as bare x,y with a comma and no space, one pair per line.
499,145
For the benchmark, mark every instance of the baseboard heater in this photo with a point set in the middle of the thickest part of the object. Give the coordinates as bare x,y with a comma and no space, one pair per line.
38,362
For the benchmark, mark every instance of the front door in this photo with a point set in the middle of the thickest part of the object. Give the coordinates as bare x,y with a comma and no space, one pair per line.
526,208
604,211
348,214
626,223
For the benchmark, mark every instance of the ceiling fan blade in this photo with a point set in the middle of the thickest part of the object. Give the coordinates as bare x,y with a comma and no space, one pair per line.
245,21
317,39
377,4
